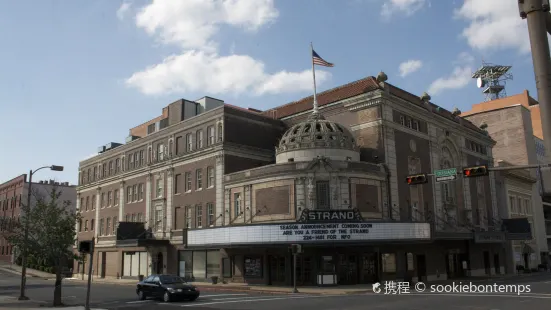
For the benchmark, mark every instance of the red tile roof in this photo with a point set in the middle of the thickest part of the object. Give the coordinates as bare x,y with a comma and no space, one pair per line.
339,93
354,89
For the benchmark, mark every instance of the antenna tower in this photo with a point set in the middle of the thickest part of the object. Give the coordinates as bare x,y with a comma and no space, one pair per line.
492,79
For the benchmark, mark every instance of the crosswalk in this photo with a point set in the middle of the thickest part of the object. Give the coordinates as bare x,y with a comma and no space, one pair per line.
213,299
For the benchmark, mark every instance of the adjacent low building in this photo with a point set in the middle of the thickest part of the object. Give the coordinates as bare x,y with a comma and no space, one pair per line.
209,189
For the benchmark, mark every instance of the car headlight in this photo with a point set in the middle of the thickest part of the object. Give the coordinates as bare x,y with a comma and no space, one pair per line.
170,290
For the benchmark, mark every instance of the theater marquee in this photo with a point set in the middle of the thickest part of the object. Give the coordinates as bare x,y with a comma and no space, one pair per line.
308,233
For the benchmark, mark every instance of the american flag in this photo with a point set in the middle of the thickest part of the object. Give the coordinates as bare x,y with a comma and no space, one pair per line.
319,61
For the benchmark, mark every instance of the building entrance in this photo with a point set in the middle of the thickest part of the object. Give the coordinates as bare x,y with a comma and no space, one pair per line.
348,269
369,269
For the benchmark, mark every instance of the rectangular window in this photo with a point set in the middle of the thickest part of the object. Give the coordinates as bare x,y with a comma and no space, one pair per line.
199,139
135,192
140,191
188,182
130,161
160,151
188,217
189,143
415,125
198,179
115,224
140,218
93,202
226,268
108,226
210,214
236,204
86,225
158,220
116,197
210,133
102,201
129,194
111,168
179,218
177,183
87,203
101,227
179,145
210,177
520,205
199,216
159,188
109,198
528,207
512,204
322,195
142,158
389,262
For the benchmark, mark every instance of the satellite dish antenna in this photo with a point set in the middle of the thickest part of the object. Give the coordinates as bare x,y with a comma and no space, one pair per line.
480,82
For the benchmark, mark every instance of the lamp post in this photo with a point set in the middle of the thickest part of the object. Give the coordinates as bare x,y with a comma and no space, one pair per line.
24,251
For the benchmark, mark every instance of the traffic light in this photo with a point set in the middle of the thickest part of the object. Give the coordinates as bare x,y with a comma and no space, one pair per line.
85,246
477,171
417,179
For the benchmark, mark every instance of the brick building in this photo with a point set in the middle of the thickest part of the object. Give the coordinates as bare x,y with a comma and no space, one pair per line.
514,122
13,193
209,189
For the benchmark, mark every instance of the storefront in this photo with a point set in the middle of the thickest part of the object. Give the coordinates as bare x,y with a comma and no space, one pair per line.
338,248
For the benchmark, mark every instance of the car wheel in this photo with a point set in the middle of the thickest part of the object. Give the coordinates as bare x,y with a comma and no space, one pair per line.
141,295
166,297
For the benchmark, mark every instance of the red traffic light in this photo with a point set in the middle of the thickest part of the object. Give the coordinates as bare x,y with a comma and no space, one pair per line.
409,180
475,171
416,179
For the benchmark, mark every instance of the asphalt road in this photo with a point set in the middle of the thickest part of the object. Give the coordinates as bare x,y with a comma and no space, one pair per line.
109,296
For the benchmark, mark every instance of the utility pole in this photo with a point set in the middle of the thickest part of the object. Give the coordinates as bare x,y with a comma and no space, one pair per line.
536,13
90,269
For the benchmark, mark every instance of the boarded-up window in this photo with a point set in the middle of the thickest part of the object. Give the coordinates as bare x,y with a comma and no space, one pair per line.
179,218
367,198
273,200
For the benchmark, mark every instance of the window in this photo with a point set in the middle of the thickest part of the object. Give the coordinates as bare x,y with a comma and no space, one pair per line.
116,197
133,217
188,182
402,120
199,138
177,183
140,191
102,200
108,226
170,147
130,162
160,151
89,175
109,198
92,224
236,204
198,179
150,155
135,192
512,204
94,176
80,225
117,165
128,217
93,202
136,160
87,203
129,194
210,133
210,177
142,159
389,262
528,206
188,217
158,220
101,227
322,194
415,125
179,145
159,188
521,206
220,134
111,171
140,218
115,224
210,214
199,216
189,142
86,225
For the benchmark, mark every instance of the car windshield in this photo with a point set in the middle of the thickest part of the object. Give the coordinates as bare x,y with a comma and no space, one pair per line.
171,279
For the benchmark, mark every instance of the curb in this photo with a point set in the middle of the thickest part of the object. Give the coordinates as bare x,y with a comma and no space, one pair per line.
31,274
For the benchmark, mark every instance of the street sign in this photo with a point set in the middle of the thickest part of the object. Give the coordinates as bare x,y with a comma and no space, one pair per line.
448,178
445,172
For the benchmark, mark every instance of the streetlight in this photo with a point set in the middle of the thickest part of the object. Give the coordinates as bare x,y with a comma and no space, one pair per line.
26,237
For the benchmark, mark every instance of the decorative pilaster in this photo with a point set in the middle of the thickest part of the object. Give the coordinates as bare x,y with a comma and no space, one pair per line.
299,190
169,198
98,206
247,203
226,208
122,194
335,193
344,199
219,188
311,193
148,201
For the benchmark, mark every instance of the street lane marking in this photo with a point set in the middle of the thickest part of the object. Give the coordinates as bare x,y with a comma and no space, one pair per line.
238,298
221,295
529,295
254,300
139,301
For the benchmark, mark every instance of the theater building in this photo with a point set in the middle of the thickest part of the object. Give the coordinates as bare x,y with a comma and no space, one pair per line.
209,189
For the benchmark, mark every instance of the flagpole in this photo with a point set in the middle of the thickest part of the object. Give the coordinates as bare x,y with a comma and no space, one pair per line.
315,104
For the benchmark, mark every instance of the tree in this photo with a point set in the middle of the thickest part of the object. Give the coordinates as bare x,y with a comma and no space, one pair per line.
51,233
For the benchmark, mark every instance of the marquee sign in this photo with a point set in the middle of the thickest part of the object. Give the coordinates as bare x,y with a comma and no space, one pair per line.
331,216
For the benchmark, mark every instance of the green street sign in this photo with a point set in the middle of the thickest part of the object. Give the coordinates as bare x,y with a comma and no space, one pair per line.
445,172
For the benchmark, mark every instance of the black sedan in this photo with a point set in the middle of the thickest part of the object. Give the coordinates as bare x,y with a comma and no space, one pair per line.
167,288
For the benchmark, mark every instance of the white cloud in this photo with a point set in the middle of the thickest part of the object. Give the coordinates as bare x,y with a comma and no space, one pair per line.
460,77
123,10
493,25
408,67
407,7
192,25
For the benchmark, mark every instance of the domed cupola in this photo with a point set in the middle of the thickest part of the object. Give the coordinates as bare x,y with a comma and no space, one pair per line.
315,137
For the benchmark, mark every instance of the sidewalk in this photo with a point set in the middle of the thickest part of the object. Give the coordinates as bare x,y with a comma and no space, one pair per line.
30,272
10,302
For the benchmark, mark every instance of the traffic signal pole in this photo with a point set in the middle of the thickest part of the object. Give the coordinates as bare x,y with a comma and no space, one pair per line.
536,13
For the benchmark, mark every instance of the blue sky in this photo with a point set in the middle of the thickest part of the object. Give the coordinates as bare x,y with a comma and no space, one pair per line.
75,75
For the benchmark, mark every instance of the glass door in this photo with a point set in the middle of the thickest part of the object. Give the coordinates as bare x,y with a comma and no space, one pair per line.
369,268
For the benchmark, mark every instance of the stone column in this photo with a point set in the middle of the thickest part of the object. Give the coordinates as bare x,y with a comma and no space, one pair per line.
390,159
299,190
246,203
226,207
98,206
169,198
148,201
345,193
122,194
219,187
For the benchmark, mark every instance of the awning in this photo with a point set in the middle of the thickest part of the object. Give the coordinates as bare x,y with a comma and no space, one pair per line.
142,243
